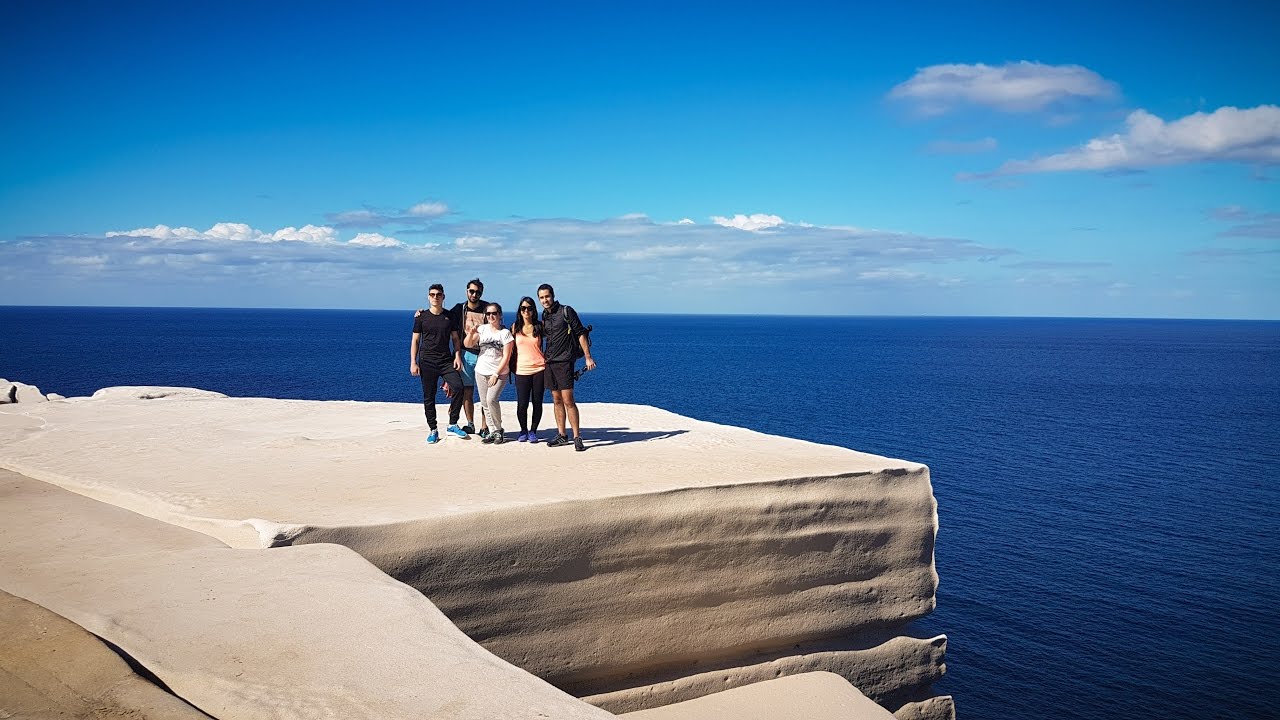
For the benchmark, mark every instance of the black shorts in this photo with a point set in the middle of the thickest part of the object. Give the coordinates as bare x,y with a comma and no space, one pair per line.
560,375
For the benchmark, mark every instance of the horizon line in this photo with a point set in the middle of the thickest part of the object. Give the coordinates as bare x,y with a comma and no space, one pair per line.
676,314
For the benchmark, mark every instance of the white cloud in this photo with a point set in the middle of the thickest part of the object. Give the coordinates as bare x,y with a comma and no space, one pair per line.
159,232
308,233
685,221
374,240
428,209
1012,87
758,221
1227,134
234,233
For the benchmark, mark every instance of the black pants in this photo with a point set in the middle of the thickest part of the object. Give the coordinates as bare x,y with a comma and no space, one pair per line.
529,387
431,375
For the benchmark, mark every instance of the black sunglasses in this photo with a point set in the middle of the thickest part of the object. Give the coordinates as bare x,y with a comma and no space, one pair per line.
526,307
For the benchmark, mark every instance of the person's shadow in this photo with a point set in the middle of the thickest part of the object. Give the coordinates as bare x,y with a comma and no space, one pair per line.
600,437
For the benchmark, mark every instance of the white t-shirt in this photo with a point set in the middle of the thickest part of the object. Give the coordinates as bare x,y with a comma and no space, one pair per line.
491,344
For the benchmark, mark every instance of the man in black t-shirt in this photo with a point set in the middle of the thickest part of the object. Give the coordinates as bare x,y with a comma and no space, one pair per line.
431,359
562,330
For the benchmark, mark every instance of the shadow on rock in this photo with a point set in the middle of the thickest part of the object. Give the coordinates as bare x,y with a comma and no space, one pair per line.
599,437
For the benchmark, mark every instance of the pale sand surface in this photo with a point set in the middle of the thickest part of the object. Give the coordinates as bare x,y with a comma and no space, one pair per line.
212,463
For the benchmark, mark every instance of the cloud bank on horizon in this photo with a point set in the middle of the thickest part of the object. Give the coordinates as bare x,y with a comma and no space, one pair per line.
741,253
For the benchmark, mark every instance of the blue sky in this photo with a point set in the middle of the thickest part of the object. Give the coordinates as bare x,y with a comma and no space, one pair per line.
1097,160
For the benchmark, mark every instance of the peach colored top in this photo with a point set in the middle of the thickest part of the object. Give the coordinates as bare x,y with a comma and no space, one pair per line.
529,358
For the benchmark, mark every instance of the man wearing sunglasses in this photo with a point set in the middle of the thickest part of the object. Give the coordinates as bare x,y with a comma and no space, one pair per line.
467,316
430,360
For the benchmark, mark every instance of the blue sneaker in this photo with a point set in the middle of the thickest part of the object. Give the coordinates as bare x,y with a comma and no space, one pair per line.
433,438
533,438
522,437
455,430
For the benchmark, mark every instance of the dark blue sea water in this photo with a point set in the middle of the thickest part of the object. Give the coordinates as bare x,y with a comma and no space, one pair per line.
1107,489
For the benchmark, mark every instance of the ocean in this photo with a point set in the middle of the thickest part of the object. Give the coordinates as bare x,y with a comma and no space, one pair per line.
1107,489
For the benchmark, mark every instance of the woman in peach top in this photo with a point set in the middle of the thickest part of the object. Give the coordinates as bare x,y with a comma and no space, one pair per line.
529,363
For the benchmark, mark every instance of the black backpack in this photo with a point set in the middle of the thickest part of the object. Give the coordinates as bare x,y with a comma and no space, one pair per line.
586,332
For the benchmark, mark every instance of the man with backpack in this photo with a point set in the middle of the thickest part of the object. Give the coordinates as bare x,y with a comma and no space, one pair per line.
566,341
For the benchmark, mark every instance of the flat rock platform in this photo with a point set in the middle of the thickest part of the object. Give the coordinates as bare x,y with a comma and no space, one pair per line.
237,468
673,559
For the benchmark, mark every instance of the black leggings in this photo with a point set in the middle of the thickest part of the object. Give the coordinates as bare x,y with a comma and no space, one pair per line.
431,375
529,387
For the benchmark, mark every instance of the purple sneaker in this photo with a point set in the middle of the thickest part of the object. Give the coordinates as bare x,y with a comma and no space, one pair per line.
522,437
533,438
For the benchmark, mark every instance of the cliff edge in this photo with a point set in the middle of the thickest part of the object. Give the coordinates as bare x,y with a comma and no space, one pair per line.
673,560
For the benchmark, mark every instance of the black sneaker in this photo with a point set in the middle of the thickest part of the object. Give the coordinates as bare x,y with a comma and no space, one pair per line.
496,437
469,429
487,438
557,441
484,433
577,444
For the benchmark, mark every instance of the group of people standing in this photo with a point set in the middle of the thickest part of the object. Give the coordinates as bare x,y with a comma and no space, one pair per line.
469,348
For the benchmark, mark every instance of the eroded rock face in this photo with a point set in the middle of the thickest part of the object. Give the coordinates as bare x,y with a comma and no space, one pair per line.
609,598
301,632
674,559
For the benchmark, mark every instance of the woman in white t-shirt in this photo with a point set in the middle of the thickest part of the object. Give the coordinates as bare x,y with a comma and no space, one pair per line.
494,342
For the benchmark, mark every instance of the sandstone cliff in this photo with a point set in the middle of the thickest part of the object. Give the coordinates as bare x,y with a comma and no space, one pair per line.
675,560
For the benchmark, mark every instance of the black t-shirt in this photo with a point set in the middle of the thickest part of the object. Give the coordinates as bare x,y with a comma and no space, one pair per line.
557,323
434,335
